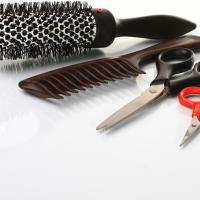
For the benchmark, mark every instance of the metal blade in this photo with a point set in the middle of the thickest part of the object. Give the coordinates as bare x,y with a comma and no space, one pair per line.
151,94
192,130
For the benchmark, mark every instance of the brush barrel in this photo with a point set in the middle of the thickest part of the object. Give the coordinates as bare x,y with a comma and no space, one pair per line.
105,28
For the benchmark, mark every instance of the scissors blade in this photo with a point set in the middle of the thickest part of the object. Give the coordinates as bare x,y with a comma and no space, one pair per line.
192,130
147,97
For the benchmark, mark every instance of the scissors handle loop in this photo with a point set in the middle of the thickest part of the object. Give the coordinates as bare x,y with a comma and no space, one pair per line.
194,105
172,62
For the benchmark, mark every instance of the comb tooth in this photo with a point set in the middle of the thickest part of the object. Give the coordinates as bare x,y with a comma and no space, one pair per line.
121,68
65,85
48,91
95,77
61,84
57,90
101,73
85,76
111,73
120,74
124,67
131,66
80,81
72,82
92,79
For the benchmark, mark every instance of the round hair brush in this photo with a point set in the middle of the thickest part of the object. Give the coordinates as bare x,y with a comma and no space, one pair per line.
30,30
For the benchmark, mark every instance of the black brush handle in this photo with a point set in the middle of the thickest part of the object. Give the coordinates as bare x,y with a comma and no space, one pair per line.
151,27
154,27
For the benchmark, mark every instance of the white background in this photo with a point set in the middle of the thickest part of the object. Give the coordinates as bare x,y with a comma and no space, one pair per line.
50,149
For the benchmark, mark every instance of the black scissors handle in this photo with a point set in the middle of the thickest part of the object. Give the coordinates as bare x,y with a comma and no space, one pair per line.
191,78
172,62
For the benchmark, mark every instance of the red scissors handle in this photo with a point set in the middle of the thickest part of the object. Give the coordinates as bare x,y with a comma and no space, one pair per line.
194,105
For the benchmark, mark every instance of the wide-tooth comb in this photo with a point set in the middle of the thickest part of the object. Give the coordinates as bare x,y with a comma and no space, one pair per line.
74,78
71,79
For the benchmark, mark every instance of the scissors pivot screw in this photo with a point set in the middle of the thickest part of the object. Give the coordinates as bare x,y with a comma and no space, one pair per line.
153,91
194,125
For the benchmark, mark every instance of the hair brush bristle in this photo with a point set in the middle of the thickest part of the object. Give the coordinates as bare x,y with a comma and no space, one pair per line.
31,30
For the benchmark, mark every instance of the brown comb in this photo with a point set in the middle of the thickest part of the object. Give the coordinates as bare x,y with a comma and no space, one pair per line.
71,79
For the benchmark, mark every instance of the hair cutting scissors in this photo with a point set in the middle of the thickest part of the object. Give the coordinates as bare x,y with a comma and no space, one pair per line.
169,63
195,106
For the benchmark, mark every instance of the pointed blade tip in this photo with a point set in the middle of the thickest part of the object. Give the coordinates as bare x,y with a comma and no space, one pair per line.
98,128
101,127
184,140
181,144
